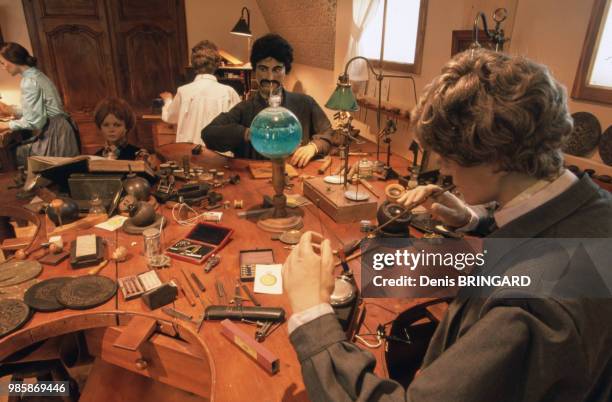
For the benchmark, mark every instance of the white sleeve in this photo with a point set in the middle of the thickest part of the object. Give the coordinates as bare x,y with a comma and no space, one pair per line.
171,109
303,317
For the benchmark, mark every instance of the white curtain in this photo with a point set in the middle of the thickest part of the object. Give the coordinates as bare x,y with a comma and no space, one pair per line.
363,13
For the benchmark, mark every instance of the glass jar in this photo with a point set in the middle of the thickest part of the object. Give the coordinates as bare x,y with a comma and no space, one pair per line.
96,206
152,245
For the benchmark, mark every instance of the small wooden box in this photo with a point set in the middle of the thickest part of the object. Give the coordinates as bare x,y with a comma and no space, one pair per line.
334,204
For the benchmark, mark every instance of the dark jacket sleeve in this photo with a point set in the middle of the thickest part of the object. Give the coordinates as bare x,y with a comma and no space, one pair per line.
322,129
225,132
510,354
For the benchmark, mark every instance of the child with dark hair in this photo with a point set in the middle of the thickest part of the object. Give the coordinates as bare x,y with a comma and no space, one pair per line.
271,58
115,119
41,112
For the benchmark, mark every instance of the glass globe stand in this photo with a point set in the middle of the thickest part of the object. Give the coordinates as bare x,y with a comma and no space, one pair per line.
280,218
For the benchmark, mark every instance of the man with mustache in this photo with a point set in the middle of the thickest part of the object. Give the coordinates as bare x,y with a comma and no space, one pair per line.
271,58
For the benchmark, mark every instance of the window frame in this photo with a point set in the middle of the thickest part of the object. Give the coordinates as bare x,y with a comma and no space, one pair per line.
581,89
413,68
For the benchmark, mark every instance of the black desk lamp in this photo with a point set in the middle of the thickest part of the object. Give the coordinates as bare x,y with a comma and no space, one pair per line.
243,28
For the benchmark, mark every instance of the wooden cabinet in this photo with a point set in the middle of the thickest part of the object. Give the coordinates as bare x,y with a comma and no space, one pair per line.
162,358
92,49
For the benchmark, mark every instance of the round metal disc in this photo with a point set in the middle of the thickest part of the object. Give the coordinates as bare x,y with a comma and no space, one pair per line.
605,146
86,292
13,315
14,272
335,179
356,195
290,237
43,295
585,136
344,292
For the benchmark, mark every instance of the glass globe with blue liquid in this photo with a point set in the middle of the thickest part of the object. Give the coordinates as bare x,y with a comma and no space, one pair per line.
276,132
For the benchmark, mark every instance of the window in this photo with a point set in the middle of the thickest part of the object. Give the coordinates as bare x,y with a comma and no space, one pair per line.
601,75
594,77
404,32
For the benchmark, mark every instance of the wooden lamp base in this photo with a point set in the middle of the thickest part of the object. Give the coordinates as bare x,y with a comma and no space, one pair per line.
293,220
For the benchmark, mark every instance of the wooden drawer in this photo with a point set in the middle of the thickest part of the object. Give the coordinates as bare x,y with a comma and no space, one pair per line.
335,205
163,133
162,358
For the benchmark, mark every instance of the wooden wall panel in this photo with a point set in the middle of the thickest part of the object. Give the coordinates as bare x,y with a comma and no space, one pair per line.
149,56
70,8
151,42
138,9
82,66
73,49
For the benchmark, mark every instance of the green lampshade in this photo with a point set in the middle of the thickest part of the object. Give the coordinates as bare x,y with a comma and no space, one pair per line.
342,98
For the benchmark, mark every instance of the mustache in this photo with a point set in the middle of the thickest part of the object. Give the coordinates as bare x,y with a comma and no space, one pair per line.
272,83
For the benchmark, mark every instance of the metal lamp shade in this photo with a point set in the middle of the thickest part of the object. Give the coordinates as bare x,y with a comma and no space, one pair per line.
342,99
241,28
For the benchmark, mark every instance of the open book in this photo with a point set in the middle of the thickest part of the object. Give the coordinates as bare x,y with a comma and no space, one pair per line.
58,169
40,164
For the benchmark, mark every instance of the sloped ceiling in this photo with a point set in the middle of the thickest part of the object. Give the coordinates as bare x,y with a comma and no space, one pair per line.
310,27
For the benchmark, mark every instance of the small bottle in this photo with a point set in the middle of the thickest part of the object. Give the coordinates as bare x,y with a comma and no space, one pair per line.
152,245
96,207
183,211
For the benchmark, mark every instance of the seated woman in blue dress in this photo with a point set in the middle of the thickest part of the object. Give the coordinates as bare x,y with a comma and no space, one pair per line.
41,112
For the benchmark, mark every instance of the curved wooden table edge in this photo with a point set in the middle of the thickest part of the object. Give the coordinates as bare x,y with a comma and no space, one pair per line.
20,212
89,320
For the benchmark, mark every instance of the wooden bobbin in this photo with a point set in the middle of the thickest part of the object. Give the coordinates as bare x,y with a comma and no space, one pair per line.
394,191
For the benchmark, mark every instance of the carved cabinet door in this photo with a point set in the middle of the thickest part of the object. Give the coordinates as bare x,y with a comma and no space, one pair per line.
72,43
150,42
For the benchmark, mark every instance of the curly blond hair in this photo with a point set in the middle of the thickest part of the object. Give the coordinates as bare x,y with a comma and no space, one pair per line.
489,107
205,57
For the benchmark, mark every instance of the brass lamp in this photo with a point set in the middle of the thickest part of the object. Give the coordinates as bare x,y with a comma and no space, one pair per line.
343,99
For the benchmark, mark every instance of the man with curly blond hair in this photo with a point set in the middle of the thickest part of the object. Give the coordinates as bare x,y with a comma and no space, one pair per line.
199,102
496,123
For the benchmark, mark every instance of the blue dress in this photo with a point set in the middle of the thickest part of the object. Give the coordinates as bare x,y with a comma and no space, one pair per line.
42,113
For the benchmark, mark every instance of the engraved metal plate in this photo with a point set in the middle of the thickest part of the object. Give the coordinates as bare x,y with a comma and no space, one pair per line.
585,136
14,272
605,146
43,295
13,315
86,292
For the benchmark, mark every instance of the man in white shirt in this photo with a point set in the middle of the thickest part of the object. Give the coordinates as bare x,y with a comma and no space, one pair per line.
198,103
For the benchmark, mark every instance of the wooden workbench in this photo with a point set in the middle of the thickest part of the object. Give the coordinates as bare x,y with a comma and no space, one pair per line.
203,363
